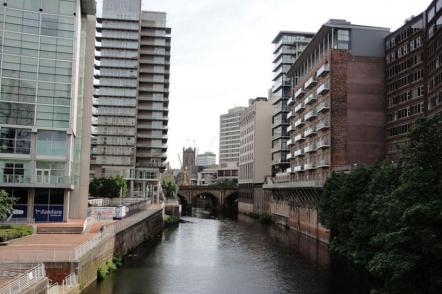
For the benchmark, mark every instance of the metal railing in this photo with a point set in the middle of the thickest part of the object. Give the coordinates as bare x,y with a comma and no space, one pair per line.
24,280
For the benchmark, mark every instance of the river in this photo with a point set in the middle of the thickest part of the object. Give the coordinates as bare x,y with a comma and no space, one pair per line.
226,256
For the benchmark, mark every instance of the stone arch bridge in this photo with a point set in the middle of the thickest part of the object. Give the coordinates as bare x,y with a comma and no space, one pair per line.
220,194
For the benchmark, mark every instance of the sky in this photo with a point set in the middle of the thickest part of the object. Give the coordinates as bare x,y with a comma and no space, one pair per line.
221,53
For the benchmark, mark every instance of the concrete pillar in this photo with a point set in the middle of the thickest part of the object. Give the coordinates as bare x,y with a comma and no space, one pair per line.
31,201
144,190
66,204
131,190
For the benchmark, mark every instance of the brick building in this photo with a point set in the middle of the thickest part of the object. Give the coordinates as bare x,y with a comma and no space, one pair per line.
337,117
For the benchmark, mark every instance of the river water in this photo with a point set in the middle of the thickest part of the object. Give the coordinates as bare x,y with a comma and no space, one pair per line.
226,256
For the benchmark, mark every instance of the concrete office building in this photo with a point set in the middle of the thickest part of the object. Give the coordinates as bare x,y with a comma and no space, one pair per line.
337,118
229,135
206,159
288,46
131,95
255,150
45,105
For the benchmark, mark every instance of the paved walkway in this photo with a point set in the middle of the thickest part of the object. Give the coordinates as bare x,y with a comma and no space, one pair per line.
60,247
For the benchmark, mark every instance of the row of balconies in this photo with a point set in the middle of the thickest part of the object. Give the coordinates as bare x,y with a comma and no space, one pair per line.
36,179
310,148
308,166
309,116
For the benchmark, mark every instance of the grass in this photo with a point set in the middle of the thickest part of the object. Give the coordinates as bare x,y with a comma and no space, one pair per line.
10,232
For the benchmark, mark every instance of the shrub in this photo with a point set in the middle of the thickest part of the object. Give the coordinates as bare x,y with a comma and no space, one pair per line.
14,231
170,220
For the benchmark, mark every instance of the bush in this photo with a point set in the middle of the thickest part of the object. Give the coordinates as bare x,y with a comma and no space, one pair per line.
14,231
170,220
106,269
108,187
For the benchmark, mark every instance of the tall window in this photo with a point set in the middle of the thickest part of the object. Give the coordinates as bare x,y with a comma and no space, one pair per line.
51,143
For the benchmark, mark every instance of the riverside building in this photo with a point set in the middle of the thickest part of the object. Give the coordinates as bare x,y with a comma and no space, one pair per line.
336,116
255,151
131,96
46,85
229,136
288,47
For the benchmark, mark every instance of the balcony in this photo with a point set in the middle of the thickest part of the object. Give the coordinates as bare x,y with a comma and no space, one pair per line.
323,125
290,101
300,107
310,115
289,128
311,98
298,168
323,107
299,138
289,115
299,93
290,142
299,152
322,144
299,123
310,148
324,88
289,156
310,83
309,166
322,163
325,68
310,132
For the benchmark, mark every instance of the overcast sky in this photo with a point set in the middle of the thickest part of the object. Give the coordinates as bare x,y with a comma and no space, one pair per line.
222,53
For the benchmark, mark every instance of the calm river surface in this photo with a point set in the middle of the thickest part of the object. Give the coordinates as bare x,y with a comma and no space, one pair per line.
214,256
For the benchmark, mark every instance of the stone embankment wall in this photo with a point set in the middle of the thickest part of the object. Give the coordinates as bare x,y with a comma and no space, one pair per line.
119,245
301,219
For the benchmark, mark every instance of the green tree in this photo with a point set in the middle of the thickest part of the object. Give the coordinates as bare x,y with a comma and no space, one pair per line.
170,188
108,187
388,217
6,204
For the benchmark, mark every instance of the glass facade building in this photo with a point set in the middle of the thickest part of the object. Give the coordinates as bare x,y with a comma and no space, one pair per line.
288,46
40,136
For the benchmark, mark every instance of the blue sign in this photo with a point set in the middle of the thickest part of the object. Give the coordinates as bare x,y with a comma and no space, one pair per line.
45,213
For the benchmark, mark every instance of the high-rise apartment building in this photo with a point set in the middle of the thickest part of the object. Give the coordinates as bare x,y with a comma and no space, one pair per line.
229,136
46,85
131,95
288,46
255,150
336,116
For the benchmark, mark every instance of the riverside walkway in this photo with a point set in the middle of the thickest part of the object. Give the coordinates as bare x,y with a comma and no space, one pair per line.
66,247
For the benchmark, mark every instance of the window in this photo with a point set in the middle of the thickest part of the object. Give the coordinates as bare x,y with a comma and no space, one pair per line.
51,143
13,171
15,141
343,35
17,113
17,90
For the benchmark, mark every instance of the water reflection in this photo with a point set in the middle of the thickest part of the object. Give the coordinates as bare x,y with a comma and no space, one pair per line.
219,256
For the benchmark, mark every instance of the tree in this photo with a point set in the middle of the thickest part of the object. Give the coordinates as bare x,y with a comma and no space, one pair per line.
6,204
170,188
388,217
108,187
